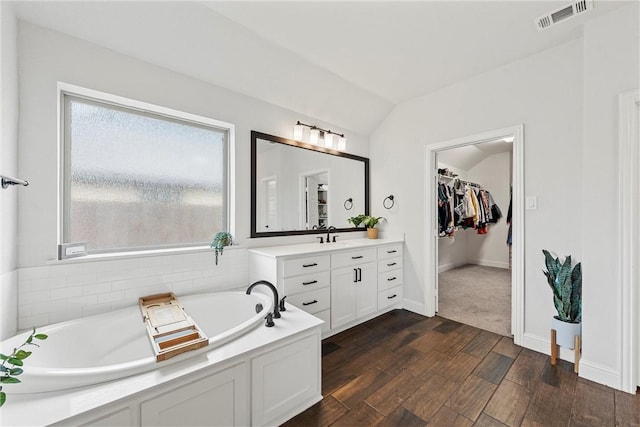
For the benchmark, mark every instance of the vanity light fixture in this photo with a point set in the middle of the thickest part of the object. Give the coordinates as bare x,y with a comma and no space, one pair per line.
319,136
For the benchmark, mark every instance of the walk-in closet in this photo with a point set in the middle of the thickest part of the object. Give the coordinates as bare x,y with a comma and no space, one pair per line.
474,243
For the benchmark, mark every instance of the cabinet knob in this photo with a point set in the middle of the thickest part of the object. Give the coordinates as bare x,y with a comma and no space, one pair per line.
392,296
310,302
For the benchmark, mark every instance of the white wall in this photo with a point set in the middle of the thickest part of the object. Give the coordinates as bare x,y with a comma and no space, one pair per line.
611,50
52,291
8,166
544,92
566,97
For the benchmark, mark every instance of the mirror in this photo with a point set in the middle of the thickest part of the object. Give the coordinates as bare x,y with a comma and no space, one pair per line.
299,188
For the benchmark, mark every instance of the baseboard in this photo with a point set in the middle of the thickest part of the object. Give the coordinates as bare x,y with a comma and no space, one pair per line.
488,263
446,267
414,306
589,370
600,374
543,345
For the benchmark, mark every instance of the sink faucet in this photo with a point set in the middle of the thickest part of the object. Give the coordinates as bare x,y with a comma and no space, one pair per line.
276,301
329,230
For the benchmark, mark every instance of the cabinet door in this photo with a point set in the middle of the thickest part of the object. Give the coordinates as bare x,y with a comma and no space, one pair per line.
366,290
343,296
223,394
285,381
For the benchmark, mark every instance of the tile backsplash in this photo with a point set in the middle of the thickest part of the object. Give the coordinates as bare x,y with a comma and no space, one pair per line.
65,291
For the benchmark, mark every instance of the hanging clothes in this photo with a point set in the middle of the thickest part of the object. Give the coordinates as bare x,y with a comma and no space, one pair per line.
465,205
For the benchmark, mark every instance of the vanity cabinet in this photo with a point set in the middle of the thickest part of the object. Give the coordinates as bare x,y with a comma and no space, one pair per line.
353,286
342,285
390,277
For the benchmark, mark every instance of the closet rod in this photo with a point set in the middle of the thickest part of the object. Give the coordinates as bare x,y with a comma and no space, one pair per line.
461,180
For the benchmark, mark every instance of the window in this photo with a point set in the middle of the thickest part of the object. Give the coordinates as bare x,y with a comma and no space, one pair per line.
138,176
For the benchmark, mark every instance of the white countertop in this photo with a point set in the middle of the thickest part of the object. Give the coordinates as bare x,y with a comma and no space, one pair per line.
51,407
315,248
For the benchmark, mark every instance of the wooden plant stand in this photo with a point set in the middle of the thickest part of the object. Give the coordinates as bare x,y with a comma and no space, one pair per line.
577,350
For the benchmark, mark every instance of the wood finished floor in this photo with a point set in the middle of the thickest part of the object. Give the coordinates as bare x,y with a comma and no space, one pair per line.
402,369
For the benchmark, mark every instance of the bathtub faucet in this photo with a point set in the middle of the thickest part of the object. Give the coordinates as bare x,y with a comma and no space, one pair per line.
276,301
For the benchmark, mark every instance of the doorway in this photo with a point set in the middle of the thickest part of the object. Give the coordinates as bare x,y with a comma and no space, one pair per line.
474,271
432,234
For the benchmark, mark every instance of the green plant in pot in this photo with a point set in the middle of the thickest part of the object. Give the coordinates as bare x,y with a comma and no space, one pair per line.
565,282
370,223
220,240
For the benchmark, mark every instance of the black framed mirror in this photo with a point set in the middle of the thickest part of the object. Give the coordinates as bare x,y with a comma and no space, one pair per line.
299,188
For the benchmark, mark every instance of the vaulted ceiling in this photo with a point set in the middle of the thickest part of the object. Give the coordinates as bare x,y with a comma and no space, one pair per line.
346,63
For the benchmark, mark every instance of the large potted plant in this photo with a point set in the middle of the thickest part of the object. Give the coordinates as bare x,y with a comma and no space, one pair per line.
565,282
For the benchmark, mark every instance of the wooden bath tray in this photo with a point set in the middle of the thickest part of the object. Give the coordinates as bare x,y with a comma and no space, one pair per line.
171,330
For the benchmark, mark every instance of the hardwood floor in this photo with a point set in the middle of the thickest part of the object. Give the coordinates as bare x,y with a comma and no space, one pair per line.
402,369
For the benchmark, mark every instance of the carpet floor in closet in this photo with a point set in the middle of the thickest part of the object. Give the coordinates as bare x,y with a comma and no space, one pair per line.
477,296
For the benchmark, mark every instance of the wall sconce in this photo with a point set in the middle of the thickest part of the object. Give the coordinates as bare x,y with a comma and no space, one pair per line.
319,136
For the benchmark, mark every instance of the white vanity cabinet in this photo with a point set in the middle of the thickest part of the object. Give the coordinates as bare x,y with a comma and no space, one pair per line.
304,280
390,277
340,284
353,286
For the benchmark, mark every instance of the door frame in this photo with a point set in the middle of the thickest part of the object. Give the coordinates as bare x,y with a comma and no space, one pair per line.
629,232
517,248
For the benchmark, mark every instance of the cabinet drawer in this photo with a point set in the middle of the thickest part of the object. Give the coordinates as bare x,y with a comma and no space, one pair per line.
389,297
390,251
296,266
389,264
307,282
389,279
345,259
312,302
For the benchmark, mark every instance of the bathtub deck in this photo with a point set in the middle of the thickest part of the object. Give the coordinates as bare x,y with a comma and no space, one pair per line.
53,407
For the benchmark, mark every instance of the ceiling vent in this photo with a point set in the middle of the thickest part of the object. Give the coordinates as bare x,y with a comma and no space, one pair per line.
576,8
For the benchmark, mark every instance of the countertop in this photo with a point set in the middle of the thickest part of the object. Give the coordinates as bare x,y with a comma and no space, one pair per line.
318,248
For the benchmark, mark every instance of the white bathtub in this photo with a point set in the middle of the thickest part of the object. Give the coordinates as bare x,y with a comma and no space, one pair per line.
115,345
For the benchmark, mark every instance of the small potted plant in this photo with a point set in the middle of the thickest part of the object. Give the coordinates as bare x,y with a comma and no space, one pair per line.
566,285
370,223
220,240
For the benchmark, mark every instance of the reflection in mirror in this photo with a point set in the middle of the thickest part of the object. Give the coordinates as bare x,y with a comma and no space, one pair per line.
300,188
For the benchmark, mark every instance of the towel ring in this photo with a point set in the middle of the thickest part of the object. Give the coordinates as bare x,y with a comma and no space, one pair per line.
348,204
388,205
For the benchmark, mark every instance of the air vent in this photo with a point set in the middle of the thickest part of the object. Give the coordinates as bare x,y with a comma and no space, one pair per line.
562,14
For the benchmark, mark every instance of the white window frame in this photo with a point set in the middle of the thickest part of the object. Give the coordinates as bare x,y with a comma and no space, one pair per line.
128,103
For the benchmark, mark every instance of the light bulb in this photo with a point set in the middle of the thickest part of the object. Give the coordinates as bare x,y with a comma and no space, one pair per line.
298,131
314,135
328,140
342,143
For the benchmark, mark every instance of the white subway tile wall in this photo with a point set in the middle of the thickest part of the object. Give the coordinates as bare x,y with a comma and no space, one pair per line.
55,293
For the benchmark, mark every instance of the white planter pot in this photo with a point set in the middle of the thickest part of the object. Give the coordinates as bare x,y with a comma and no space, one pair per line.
566,332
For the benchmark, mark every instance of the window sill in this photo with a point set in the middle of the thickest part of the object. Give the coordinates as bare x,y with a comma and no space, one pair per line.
137,254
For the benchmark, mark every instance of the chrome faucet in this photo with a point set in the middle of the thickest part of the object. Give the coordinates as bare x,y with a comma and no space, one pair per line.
329,230
276,300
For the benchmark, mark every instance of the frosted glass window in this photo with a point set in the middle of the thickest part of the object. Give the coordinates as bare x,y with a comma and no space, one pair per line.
137,180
